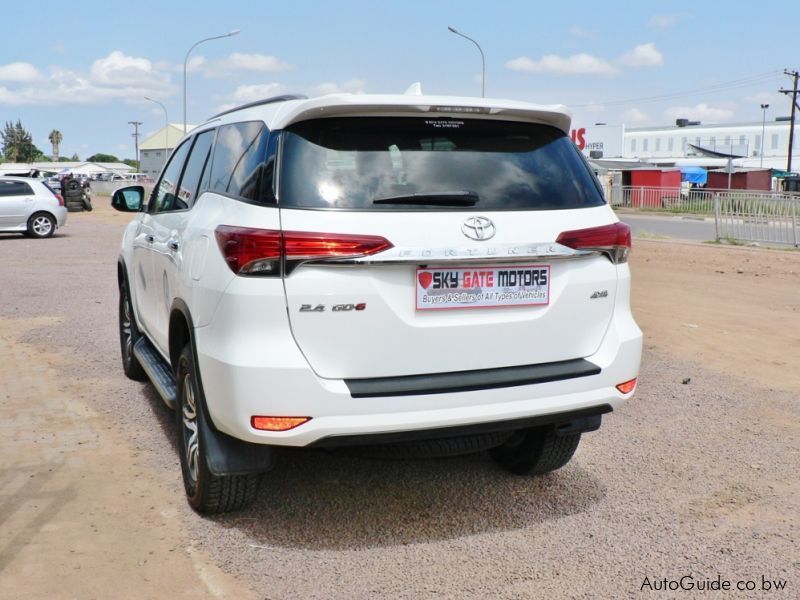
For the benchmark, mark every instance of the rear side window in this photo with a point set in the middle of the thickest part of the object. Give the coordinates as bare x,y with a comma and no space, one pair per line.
165,195
350,163
189,187
15,188
239,159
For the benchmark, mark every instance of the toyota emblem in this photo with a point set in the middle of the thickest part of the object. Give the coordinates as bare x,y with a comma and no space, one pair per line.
478,228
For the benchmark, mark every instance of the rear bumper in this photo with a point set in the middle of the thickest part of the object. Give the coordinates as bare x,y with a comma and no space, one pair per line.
577,421
61,216
240,382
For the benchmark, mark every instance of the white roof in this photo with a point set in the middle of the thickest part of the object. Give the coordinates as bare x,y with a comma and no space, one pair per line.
166,137
279,115
74,166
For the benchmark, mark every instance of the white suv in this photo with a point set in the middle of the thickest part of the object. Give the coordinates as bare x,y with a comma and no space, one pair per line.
408,275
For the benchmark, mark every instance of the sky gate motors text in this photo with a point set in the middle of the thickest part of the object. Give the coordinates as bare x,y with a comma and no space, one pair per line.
523,277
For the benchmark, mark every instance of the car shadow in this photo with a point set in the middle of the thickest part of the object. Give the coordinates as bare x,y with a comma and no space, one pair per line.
18,235
330,500
317,500
163,415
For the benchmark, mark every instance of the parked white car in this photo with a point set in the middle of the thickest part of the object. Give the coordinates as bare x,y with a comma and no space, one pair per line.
30,206
417,275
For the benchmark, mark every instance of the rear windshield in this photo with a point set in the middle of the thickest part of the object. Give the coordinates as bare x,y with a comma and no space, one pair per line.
410,163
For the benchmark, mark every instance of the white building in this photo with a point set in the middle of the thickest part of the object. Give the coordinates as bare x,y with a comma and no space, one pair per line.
155,149
74,167
676,145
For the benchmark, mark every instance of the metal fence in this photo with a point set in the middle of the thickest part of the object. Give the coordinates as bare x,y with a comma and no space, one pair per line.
661,199
772,220
739,215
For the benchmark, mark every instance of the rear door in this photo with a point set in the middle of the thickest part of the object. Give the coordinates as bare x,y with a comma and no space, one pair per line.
147,254
473,279
16,200
170,224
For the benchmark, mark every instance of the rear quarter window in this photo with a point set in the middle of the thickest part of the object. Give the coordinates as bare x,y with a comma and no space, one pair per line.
349,163
239,160
15,188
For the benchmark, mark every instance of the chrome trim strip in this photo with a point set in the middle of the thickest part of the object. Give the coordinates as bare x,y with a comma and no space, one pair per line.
497,253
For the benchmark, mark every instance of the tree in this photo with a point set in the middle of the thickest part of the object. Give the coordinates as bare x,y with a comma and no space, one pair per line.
18,143
131,163
100,157
73,159
55,138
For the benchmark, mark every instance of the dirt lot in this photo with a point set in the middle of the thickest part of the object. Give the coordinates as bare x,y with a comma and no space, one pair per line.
696,478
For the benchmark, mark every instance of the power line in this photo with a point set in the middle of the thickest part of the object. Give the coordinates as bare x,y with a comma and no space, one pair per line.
719,87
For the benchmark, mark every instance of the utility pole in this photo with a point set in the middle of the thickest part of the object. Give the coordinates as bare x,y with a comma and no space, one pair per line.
135,136
793,92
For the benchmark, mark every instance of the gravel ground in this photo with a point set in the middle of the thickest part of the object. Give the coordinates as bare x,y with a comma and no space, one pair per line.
697,478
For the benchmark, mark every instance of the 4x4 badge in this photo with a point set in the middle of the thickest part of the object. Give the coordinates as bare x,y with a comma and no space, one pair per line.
478,228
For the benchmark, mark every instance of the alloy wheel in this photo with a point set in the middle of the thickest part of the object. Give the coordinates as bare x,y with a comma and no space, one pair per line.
190,435
42,226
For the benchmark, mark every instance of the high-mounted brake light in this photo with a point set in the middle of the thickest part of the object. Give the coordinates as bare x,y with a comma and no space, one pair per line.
277,423
250,251
613,240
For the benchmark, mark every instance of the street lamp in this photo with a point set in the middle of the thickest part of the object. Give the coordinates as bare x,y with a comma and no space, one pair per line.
166,128
483,59
764,108
185,60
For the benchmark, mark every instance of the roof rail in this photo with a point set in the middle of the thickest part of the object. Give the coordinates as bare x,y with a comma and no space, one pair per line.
282,98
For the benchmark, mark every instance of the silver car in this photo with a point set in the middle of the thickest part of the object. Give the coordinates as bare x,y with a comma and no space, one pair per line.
29,206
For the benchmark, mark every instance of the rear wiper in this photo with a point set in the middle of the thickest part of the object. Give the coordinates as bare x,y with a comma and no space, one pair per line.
456,198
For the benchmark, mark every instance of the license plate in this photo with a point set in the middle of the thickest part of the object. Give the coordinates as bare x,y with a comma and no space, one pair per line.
483,287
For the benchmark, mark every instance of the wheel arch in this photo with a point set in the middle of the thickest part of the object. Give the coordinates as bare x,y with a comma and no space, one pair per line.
122,273
226,455
180,332
42,211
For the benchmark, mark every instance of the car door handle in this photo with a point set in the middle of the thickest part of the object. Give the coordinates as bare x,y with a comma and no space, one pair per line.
150,238
173,245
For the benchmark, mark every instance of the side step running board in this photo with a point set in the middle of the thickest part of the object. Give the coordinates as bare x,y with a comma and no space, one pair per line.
157,370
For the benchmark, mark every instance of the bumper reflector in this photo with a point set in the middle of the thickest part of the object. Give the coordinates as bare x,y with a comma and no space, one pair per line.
626,387
277,423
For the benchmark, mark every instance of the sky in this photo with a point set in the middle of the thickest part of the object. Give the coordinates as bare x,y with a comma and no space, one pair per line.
84,68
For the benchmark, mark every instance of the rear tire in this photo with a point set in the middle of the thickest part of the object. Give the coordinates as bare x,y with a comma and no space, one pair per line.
536,451
207,493
41,225
128,336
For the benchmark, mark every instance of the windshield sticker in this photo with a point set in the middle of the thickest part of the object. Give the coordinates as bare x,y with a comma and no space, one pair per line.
445,124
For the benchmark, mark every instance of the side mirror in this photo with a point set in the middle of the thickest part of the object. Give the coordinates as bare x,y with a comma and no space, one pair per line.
128,199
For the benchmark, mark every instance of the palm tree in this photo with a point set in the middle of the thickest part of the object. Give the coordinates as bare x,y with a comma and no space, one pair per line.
55,138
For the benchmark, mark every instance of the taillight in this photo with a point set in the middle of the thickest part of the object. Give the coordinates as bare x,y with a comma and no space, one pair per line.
251,251
59,198
613,240
304,245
